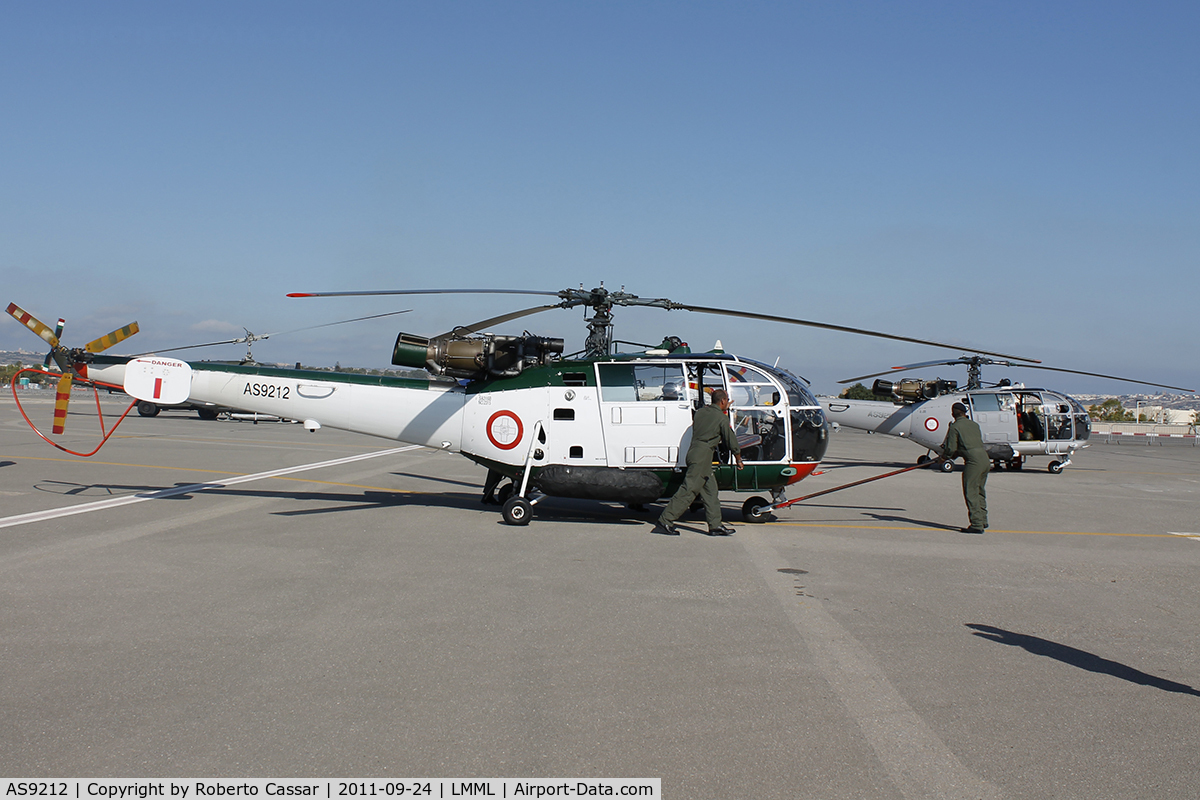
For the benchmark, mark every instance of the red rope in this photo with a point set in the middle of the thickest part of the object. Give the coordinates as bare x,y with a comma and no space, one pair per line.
92,385
931,462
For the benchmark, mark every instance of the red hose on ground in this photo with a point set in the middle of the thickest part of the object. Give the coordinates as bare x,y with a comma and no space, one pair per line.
931,462
99,413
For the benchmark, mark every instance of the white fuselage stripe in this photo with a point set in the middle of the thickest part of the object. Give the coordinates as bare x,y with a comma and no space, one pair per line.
55,513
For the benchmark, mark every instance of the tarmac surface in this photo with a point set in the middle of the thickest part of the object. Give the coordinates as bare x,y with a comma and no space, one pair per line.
193,617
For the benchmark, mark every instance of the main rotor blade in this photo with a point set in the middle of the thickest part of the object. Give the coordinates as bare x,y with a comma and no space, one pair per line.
845,329
919,365
252,337
339,322
487,323
603,298
109,339
1109,377
33,323
420,291
1018,366
61,399
189,347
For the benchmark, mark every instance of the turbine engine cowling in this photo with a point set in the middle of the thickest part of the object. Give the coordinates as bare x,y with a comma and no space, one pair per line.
475,356
909,390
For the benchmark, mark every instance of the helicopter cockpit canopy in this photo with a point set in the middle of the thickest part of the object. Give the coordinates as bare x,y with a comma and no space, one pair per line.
759,383
1050,416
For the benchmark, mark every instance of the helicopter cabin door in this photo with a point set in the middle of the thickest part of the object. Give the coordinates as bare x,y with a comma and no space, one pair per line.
644,412
996,414
758,416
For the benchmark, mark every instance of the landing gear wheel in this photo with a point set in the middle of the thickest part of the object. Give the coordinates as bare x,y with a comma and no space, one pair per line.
503,493
947,466
1055,467
1016,463
755,510
517,511
147,409
922,459
206,413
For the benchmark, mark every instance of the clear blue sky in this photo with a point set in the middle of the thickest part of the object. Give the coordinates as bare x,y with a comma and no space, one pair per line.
1023,177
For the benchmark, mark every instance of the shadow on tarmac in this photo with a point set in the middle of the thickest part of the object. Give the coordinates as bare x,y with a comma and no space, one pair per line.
93,489
920,522
549,509
1078,658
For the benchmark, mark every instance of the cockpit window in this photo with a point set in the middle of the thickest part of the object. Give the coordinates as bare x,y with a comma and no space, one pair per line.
740,373
748,387
1083,423
992,402
630,383
985,402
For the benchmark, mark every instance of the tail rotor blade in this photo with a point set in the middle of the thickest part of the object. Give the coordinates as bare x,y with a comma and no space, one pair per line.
108,340
58,329
60,403
33,323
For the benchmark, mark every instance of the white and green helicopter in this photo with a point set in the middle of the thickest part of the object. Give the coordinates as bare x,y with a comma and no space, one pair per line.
1016,422
598,425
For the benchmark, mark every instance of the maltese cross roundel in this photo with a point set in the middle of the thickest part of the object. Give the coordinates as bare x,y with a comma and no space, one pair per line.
504,430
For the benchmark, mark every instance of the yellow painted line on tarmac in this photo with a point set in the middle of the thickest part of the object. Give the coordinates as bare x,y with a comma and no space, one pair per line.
989,530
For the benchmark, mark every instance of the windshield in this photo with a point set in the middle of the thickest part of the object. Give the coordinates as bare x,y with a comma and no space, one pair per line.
1083,423
798,394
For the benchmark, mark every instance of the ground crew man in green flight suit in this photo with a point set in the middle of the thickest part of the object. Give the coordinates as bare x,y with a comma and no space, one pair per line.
710,427
963,438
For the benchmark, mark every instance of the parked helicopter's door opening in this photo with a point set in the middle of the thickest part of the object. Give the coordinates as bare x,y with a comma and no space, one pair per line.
703,379
1031,418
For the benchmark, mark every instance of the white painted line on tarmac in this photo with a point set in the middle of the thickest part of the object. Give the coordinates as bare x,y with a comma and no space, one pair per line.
920,764
1195,537
113,502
